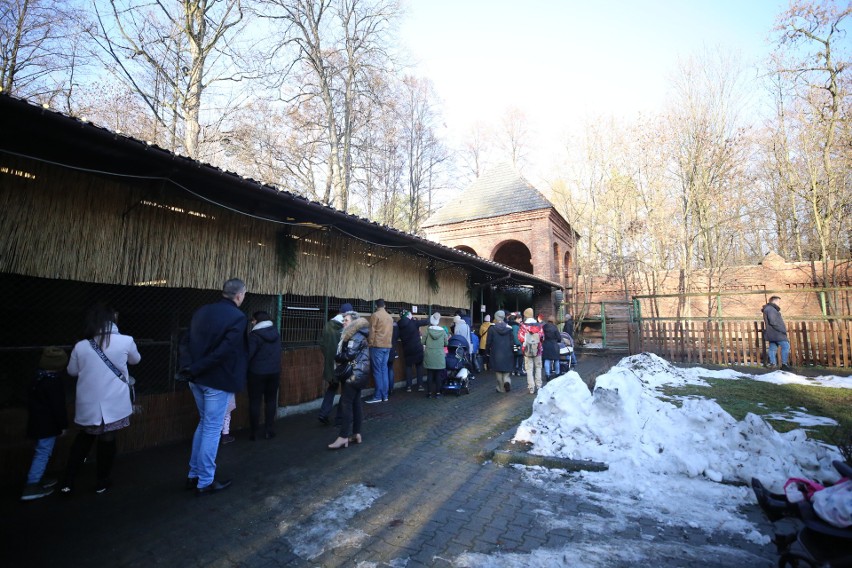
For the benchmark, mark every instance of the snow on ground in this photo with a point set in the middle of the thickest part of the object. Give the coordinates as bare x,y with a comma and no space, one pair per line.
666,462
329,527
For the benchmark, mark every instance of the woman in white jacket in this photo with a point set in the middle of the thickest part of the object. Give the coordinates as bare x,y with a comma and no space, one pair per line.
103,398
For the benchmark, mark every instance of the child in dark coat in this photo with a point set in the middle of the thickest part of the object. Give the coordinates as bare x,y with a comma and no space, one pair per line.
47,418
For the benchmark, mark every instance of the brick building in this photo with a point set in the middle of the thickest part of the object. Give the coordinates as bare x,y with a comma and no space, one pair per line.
503,218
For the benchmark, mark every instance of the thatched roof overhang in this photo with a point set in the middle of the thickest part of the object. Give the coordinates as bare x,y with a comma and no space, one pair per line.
38,133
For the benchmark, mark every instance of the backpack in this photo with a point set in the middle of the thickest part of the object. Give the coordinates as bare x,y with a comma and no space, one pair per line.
532,340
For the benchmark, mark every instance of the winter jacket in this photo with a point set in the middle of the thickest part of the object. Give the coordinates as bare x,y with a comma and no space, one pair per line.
394,354
568,326
501,357
218,346
552,342
516,328
434,340
354,347
264,349
483,335
101,396
47,416
774,328
381,329
461,328
530,325
409,334
328,344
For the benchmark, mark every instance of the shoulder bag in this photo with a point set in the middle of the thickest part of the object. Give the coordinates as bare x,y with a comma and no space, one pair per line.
130,381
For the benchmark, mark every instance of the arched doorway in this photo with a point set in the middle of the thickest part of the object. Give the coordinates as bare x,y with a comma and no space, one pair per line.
515,254
465,248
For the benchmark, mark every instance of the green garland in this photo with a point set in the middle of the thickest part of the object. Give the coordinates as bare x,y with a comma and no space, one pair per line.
433,277
287,250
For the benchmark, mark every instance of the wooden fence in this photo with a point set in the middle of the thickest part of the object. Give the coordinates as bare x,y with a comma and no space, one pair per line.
824,343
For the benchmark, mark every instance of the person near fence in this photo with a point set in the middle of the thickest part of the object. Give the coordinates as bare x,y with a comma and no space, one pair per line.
354,350
552,343
775,333
568,325
217,365
103,405
460,327
531,338
412,349
393,356
435,342
328,344
381,335
46,418
501,354
264,374
483,340
227,438
513,322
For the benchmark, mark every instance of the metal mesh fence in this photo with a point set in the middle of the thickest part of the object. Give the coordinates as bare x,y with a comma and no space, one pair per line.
39,312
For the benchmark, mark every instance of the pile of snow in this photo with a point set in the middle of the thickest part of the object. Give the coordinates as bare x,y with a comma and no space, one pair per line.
627,426
665,462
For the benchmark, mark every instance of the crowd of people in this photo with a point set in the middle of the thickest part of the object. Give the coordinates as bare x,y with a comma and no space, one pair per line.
224,353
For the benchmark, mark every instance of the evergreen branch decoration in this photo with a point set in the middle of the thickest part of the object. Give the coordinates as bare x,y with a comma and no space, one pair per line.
433,277
286,249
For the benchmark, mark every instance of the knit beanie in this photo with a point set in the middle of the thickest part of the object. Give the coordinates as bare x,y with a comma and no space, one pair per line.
405,314
347,307
528,313
456,319
487,318
53,359
435,319
499,315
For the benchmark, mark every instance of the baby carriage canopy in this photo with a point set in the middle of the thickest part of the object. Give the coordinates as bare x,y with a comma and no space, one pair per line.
458,341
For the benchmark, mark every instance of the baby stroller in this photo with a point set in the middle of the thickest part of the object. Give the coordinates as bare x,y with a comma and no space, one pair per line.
459,366
567,358
802,538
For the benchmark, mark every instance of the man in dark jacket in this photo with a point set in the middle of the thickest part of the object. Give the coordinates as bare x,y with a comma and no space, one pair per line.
501,356
217,366
412,348
775,332
264,373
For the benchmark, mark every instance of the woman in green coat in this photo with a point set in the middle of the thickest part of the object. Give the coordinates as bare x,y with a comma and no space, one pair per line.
434,361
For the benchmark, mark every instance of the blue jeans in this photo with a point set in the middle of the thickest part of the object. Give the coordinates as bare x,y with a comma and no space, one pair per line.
43,450
550,365
785,351
379,361
205,443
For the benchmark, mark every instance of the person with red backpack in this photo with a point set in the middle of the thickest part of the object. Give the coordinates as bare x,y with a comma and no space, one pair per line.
532,339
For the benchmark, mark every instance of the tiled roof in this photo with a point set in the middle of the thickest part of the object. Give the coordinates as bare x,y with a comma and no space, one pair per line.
501,190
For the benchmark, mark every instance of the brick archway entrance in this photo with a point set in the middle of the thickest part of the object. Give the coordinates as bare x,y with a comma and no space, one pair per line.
514,254
466,249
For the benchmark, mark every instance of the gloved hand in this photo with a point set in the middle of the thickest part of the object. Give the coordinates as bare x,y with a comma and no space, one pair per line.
183,375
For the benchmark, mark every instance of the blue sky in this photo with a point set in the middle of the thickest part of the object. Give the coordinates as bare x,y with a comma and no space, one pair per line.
561,62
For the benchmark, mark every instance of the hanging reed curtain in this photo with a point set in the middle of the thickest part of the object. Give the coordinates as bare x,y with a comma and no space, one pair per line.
77,226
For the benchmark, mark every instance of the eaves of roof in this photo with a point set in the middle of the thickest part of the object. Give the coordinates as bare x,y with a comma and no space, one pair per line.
38,133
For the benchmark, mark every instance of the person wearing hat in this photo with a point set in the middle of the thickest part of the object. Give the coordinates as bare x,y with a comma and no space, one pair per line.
532,340
412,349
46,418
501,351
328,344
434,341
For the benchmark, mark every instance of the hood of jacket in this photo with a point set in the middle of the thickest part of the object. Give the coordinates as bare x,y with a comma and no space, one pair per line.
269,333
435,332
354,327
771,305
502,328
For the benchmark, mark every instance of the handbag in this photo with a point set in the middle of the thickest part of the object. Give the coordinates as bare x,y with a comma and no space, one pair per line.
343,371
129,381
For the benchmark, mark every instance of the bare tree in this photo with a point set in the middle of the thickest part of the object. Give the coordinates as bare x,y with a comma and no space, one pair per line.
813,120
339,46
171,52
475,150
515,136
39,49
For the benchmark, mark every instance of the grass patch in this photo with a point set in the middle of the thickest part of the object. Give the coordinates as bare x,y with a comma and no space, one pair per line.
741,396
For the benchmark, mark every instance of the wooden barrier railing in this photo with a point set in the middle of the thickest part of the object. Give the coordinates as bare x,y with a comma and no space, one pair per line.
824,343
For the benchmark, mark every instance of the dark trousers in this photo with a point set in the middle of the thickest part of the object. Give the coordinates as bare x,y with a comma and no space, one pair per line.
413,375
352,413
106,451
328,403
433,381
262,387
